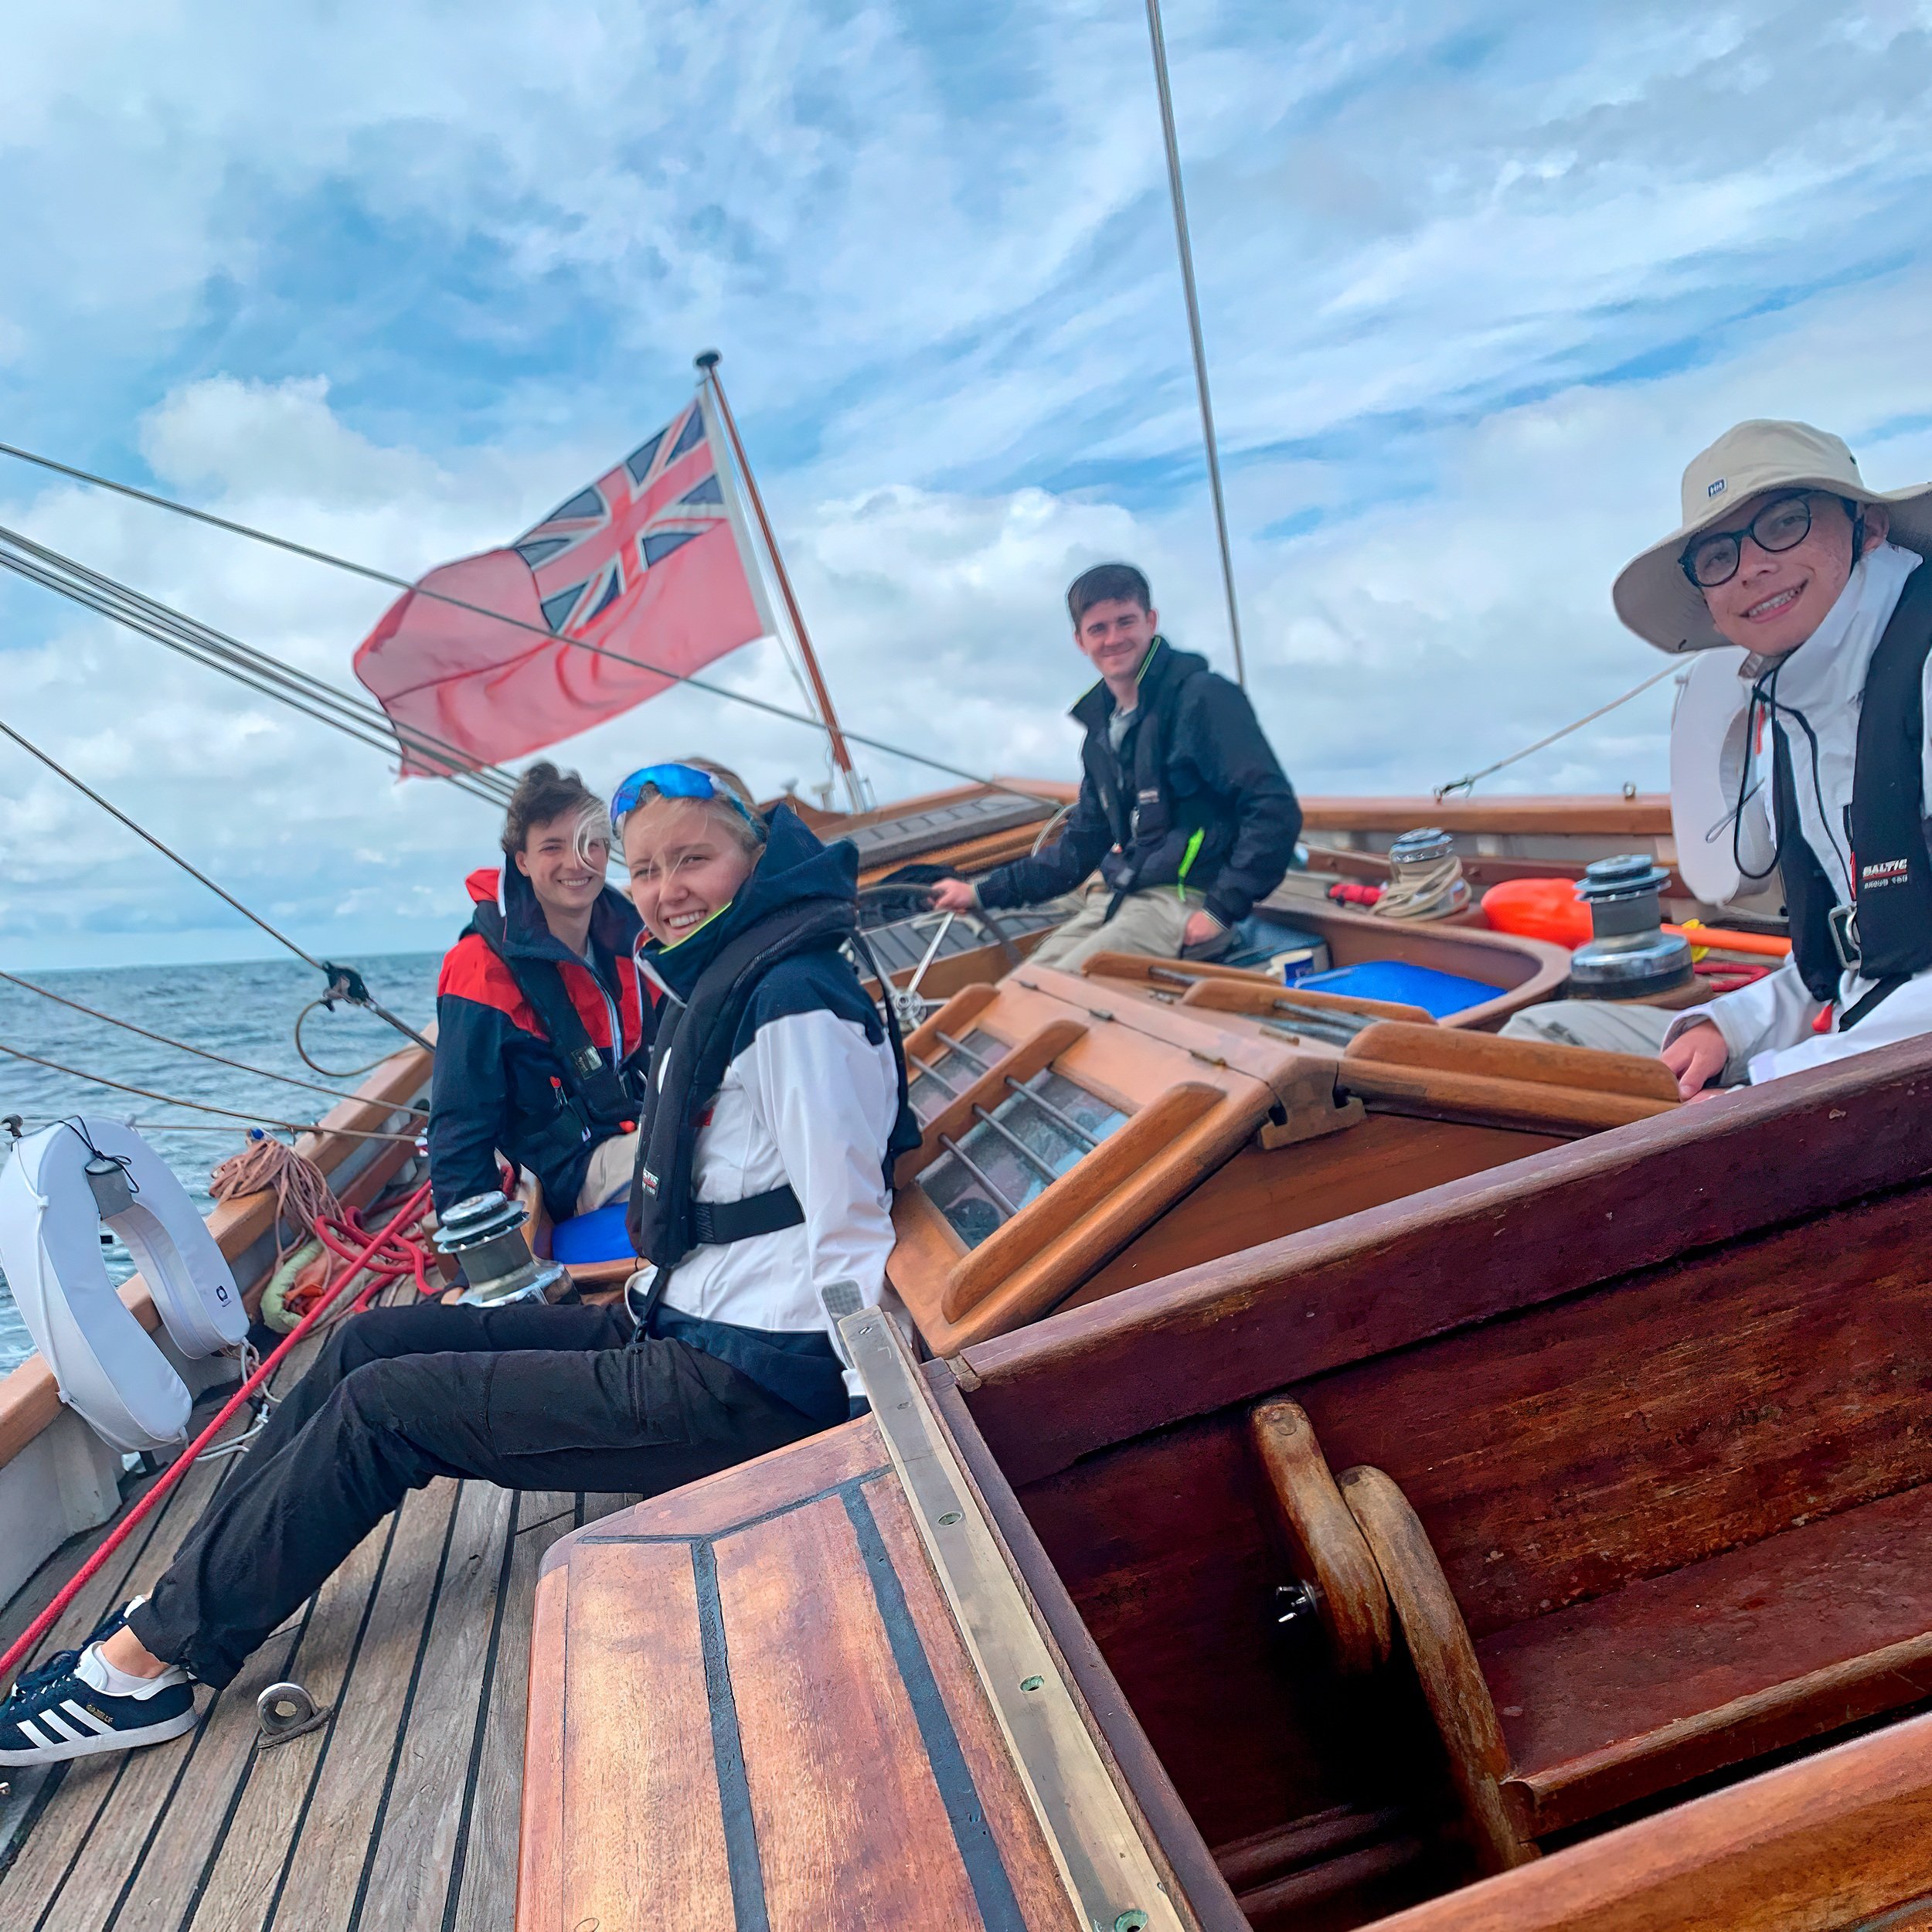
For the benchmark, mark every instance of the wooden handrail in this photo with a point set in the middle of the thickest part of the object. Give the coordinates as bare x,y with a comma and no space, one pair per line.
1580,1069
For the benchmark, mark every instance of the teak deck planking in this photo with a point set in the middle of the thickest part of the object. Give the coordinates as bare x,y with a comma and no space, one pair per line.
399,1814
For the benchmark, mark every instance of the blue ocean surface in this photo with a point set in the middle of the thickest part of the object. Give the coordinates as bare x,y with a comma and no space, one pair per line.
246,1012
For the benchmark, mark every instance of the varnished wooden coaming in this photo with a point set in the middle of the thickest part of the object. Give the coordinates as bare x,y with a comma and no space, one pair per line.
1838,1842
1656,1400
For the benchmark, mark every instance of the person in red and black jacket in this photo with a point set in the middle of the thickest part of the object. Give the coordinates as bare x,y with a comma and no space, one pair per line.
542,1027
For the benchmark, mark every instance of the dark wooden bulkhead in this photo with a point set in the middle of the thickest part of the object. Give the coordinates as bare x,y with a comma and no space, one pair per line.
1658,1402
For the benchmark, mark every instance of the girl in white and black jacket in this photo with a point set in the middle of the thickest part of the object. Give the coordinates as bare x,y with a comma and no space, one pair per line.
761,1197
776,1100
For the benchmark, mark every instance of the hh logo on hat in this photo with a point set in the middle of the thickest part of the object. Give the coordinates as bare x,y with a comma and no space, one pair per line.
1716,489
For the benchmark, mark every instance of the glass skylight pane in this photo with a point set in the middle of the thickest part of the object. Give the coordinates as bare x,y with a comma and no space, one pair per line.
966,1201
925,1093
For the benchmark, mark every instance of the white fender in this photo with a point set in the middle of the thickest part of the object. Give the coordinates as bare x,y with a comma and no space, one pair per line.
106,1364
1709,756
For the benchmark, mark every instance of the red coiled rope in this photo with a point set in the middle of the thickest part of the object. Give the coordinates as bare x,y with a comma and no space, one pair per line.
400,1256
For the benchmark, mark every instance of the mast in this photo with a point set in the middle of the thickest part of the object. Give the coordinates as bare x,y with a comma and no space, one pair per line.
1194,330
707,363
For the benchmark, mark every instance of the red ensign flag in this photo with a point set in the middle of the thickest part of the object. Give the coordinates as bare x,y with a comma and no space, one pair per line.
649,563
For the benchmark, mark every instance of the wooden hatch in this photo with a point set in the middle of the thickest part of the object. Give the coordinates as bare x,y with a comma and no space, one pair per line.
812,1691
1078,1139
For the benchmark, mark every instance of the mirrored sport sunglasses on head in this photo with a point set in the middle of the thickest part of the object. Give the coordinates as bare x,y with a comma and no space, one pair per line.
1715,558
671,781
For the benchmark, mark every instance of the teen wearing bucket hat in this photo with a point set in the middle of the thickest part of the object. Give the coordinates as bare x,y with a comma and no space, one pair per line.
1785,551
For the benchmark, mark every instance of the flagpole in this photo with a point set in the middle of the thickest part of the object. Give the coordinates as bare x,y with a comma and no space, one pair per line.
707,365
1194,328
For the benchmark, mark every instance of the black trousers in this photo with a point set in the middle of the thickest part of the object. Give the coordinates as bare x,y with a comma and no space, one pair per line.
531,1397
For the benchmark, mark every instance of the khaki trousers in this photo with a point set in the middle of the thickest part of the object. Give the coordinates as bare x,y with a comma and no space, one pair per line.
1611,1025
607,1179
1149,922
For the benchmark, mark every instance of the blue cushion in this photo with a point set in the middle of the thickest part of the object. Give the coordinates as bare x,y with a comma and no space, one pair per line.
599,1235
1438,994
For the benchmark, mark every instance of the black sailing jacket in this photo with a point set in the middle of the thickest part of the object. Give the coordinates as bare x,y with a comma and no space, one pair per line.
1215,775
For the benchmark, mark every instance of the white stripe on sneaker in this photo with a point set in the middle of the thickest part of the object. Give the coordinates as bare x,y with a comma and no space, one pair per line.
81,1715
60,1729
33,1737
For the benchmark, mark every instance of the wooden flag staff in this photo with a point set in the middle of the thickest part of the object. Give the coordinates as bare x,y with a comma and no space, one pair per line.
707,365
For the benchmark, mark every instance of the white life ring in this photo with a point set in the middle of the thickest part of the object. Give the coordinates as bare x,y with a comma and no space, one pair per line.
1709,756
107,1366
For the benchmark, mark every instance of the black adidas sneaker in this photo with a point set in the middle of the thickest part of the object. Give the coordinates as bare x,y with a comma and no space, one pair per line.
61,1710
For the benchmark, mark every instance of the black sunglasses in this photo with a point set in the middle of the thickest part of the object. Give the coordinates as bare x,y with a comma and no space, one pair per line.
1714,558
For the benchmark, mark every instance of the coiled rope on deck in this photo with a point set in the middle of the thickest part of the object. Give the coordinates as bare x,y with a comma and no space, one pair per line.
1423,892
303,1196
305,1200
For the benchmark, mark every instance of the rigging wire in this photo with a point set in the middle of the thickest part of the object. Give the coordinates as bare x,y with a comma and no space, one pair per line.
335,1072
1575,724
357,718
167,851
344,982
516,624
201,1107
1158,40
202,1052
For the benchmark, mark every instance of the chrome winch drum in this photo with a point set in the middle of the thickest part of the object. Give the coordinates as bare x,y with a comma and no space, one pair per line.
1630,956
485,1233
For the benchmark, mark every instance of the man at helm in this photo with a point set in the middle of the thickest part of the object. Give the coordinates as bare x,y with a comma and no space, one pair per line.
1183,806
1786,552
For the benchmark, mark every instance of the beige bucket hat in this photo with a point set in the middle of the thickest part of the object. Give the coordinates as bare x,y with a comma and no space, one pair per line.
1653,596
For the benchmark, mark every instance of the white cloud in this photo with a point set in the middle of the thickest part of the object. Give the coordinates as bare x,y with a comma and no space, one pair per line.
390,279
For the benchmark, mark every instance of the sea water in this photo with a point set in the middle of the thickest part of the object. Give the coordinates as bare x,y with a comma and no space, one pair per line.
246,1012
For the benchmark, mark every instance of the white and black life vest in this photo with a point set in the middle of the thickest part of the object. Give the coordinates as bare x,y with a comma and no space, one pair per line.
1885,935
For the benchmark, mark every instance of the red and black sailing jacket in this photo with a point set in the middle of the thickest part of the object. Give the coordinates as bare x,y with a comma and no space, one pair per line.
502,1078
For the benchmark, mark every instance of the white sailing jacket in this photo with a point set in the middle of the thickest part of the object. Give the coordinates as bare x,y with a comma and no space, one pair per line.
1769,1026
809,1101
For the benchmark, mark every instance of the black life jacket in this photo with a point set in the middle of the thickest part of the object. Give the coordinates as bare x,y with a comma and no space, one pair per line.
596,1100
1153,832
1886,934
689,1057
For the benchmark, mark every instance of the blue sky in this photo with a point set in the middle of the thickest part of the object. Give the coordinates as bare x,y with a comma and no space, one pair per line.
393,278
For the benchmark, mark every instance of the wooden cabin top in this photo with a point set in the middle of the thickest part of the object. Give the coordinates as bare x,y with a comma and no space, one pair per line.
1081,1132
814,1690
